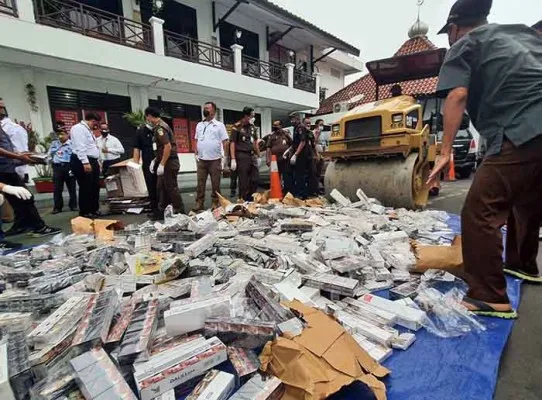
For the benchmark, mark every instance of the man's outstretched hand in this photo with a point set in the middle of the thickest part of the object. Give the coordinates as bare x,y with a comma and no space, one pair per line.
442,162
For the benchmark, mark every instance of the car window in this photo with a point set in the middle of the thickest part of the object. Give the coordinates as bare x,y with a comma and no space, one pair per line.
462,134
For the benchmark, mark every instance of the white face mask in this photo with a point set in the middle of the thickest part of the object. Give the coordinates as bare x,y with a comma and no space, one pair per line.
252,120
149,126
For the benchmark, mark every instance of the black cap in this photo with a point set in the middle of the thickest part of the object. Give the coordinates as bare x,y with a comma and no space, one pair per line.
467,11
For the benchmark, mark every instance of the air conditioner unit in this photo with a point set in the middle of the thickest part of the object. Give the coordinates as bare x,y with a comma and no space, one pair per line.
340,107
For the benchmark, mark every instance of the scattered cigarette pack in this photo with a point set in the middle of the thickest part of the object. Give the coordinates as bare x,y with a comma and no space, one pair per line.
332,283
407,289
260,388
270,308
377,352
388,317
216,385
407,317
238,332
245,362
357,325
137,339
403,341
185,317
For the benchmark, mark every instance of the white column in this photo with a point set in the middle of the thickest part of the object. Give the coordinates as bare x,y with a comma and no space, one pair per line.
318,78
158,35
139,97
128,9
25,10
237,58
290,67
266,120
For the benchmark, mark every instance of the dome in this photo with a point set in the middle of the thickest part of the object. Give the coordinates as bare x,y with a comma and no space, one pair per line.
419,28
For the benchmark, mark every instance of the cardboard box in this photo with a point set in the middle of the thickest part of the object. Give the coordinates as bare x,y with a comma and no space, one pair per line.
131,177
113,186
191,364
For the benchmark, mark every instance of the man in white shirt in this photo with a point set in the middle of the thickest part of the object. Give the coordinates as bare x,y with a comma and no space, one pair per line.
110,148
19,138
85,165
211,141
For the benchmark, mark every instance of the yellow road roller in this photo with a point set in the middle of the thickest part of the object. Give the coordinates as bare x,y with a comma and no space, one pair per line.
386,148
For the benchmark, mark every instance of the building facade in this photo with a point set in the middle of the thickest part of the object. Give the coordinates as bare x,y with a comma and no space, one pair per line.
62,58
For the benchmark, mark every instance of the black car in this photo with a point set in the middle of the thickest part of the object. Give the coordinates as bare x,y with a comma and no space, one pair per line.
465,152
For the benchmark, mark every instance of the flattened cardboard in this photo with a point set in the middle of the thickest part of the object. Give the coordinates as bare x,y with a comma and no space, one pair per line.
103,229
449,258
321,360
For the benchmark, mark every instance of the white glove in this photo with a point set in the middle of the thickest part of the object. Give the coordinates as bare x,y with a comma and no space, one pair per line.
223,164
151,167
160,170
259,162
286,153
17,191
233,165
293,159
196,157
1,199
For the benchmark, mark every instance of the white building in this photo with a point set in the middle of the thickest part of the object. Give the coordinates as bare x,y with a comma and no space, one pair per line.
60,58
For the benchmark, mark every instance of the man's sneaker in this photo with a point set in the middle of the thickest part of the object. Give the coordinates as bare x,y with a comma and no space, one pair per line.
6,245
46,231
14,231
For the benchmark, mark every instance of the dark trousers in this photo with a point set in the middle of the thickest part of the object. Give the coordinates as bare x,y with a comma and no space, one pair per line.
304,177
108,163
247,170
26,214
286,176
507,188
233,181
151,182
206,168
168,189
89,185
62,176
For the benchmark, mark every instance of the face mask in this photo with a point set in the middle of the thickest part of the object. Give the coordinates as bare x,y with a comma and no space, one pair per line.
276,129
206,113
105,133
252,120
149,126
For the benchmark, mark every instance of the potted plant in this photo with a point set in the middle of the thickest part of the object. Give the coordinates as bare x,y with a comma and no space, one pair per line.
44,181
135,118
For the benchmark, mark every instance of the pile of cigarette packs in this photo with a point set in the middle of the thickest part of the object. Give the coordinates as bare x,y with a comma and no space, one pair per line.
184,307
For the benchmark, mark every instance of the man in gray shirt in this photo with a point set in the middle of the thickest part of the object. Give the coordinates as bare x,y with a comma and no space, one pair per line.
495,73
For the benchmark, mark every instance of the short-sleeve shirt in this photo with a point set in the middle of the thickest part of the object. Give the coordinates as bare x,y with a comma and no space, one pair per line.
302,134
210,136
278,142
501,65
162,136
243,136
143,142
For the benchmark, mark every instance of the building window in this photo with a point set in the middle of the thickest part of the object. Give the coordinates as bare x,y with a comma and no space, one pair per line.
281,54
335,73
323,92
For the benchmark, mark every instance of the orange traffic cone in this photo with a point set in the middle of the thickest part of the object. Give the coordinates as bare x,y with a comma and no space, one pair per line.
276,189
451,169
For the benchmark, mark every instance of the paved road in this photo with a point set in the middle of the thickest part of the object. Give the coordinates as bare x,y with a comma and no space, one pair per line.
520,374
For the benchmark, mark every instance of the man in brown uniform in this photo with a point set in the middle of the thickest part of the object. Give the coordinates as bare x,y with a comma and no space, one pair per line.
495,72
277,144
166,164
245,154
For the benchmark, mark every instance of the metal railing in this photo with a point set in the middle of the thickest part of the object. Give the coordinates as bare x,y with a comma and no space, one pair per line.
90,21
8,7
304,81
268,71
189,49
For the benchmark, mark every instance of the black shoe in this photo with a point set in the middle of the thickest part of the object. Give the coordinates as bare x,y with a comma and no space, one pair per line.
90,216
46,231
6,245
14,231
56,211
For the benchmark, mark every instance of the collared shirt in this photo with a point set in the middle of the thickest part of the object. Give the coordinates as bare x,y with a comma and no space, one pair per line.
61,152
302,134
19,138
7,165
144,141
83,142
113,145
243,136
278,142
210,136
162,136
501,65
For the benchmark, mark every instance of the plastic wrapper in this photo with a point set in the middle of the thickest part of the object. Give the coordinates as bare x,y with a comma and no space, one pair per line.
98,378
309,265
138,336
96,320
446,317
29,303
201,245
55,387
15,356
239,332
99,258
407,289
201,286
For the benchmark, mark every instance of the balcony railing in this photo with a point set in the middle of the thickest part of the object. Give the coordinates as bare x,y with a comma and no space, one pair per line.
90,21
189,49
268,71
8,7
304,81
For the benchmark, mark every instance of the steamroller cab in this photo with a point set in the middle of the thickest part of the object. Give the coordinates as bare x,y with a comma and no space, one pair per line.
385,147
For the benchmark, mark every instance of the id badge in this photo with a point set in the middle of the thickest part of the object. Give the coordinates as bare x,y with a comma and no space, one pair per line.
154,146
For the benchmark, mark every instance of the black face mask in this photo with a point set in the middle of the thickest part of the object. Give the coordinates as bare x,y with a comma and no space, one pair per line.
276,129
206,113
105,133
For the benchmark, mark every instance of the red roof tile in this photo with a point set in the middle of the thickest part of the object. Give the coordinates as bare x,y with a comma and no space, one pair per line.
366,86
